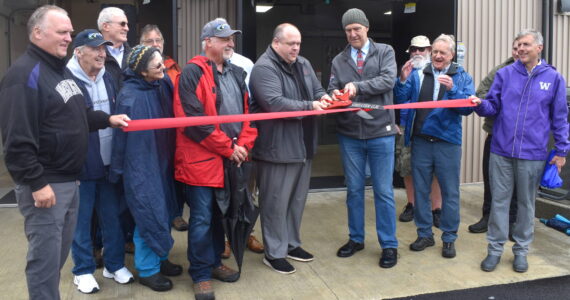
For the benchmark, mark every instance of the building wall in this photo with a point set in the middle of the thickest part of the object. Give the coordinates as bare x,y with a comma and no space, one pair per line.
192,15
487,27
561,43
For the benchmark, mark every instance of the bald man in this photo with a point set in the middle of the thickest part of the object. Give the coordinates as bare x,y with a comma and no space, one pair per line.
281,80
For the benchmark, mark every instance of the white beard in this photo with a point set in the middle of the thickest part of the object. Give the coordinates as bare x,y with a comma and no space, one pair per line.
420,61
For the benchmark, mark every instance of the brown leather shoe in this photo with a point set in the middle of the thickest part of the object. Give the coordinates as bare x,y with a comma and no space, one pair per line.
227,251
179,224
204,290
225,274
254,245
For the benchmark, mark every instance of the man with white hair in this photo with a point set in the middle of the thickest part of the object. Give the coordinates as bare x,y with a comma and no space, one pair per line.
114,26
45,125
435,136
420,52
528,101
96,191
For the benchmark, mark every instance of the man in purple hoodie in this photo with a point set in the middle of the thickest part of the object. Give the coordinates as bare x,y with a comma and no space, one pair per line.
528,100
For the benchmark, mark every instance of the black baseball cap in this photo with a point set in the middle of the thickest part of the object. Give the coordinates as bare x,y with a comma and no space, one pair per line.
91,38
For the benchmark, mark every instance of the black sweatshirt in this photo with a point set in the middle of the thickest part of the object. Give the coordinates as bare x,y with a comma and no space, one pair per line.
44,120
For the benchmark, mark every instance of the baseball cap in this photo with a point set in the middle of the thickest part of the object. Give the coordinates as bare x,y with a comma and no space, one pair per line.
91,38
217,28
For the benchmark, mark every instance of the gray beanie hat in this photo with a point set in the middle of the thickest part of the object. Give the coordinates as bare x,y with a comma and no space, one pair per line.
354,15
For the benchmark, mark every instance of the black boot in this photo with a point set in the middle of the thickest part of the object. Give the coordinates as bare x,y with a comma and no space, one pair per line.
480,226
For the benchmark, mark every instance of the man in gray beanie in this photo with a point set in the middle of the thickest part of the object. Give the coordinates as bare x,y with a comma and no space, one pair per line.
366,71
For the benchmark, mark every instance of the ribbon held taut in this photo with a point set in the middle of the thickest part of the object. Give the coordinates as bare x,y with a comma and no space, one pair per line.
150,124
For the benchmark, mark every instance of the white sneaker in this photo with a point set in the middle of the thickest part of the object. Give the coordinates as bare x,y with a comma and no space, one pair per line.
122,275
86,283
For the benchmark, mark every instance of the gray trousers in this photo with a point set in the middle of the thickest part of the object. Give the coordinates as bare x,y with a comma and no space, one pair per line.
283,192
508,175
49,232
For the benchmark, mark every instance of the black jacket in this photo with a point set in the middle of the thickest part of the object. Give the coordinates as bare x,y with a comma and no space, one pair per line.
44,120
112,66
274,88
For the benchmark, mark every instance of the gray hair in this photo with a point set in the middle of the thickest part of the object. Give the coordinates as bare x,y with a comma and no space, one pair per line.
38,17
107,14
448,38
148,29
534,33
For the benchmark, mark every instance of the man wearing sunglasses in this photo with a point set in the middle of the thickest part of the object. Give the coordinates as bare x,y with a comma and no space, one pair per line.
114,26
420,52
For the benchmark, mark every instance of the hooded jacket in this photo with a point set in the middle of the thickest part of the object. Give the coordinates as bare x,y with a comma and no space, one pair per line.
374,86
44,119
527,107
200,149
274,89
442,123
144,161
94,168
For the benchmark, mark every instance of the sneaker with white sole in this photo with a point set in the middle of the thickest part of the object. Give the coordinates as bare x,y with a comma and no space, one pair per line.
86,283
122,275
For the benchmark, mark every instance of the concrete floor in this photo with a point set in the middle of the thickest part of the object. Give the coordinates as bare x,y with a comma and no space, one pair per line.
327,277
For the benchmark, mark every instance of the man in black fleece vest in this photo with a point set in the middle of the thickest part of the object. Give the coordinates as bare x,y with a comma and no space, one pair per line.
45,125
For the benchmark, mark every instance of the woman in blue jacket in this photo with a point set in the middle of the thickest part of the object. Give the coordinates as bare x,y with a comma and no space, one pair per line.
144,162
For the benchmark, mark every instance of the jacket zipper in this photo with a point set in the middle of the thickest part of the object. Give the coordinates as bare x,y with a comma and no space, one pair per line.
518,112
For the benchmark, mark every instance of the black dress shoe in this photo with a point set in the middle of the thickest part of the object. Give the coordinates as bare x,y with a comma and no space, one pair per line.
169,269
389,257
421,243
157,282
481,226
448,250
348,249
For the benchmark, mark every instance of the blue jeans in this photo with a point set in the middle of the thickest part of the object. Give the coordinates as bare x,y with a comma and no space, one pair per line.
205,232
100,195
444,160
379,152
147,262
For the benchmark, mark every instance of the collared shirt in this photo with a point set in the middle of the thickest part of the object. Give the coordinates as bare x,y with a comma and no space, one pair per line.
117,53
364,49
436,84
538,64
232,101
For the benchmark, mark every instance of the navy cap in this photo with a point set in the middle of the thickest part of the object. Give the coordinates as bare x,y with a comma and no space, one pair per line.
217,28
91,38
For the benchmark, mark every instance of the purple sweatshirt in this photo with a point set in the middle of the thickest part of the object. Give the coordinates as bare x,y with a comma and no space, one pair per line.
526,108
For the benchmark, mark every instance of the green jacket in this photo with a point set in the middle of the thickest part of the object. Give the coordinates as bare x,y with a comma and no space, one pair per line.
484,87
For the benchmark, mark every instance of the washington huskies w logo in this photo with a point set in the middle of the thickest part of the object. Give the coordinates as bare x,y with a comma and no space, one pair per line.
544,85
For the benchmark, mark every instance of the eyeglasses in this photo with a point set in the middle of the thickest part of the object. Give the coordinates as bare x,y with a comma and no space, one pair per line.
414,49
153,41
122,24
159,66
290,44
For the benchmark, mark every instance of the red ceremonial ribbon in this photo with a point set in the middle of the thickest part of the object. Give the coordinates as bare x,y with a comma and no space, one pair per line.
149,124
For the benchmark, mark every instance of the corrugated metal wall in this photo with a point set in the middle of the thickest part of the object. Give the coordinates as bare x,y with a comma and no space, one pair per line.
192,16
487,27
561,44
